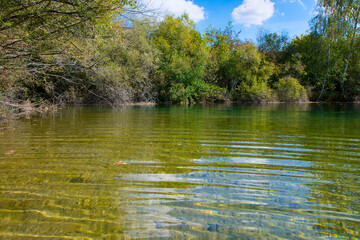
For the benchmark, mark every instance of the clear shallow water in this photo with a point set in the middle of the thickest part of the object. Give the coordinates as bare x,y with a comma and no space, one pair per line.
211,172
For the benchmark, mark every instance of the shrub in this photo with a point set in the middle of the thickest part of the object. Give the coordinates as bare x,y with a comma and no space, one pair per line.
254,92
199,91
288,89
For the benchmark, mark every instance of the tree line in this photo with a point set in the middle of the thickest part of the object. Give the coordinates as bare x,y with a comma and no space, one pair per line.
107,52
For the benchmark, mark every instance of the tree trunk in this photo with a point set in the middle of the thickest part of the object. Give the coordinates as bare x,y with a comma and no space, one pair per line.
326,74
349,54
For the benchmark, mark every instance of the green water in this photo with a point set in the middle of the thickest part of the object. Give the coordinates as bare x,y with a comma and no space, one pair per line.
193,172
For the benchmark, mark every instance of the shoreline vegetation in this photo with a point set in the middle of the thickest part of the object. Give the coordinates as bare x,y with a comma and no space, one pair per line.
56,53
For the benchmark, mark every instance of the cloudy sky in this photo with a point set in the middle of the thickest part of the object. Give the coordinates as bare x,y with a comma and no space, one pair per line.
247,16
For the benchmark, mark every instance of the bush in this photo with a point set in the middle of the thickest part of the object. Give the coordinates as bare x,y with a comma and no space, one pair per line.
197,92
255,92
288,89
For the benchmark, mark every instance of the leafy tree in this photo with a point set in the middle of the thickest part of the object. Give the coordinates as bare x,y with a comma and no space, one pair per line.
126,60
338,23
353,84
220,45
113,67
279,50
180,76
37,40
24,23
90,52
249,72
272,44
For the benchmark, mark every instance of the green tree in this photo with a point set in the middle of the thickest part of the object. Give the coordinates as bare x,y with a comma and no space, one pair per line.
126,60
24,24
220,44
338,23
180,76
249,72
321,66
279,50
272,44
37,39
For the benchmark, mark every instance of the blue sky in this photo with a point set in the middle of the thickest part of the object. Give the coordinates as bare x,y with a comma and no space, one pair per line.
247,16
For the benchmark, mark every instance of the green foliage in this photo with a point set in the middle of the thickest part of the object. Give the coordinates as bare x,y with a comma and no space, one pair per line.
248,73
41,41
5,81
313,54
272,43
182,58
42,18
68,52
197,92
121,62
126,61
254,91
338,22
282,53
220,45
352,84
289,89
30,27
321,62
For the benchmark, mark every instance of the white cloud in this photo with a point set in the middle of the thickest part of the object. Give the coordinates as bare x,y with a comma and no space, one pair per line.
176,7
253,12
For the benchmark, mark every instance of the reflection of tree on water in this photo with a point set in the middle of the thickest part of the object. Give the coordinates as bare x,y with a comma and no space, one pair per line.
58,184
334,190
213,208
336,193
210,172
231,200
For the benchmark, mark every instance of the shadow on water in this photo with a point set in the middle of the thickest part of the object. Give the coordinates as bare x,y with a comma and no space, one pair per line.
274,171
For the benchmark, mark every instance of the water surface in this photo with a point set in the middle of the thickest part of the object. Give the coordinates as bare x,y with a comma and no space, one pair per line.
205,171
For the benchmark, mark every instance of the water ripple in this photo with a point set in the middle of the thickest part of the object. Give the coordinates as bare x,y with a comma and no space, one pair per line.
188,172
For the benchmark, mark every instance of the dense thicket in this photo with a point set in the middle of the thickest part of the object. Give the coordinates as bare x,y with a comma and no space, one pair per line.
87,52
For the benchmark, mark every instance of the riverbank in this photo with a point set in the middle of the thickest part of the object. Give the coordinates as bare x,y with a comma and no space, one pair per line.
9,110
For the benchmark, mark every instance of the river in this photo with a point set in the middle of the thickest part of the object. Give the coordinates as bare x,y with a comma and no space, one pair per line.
275,171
